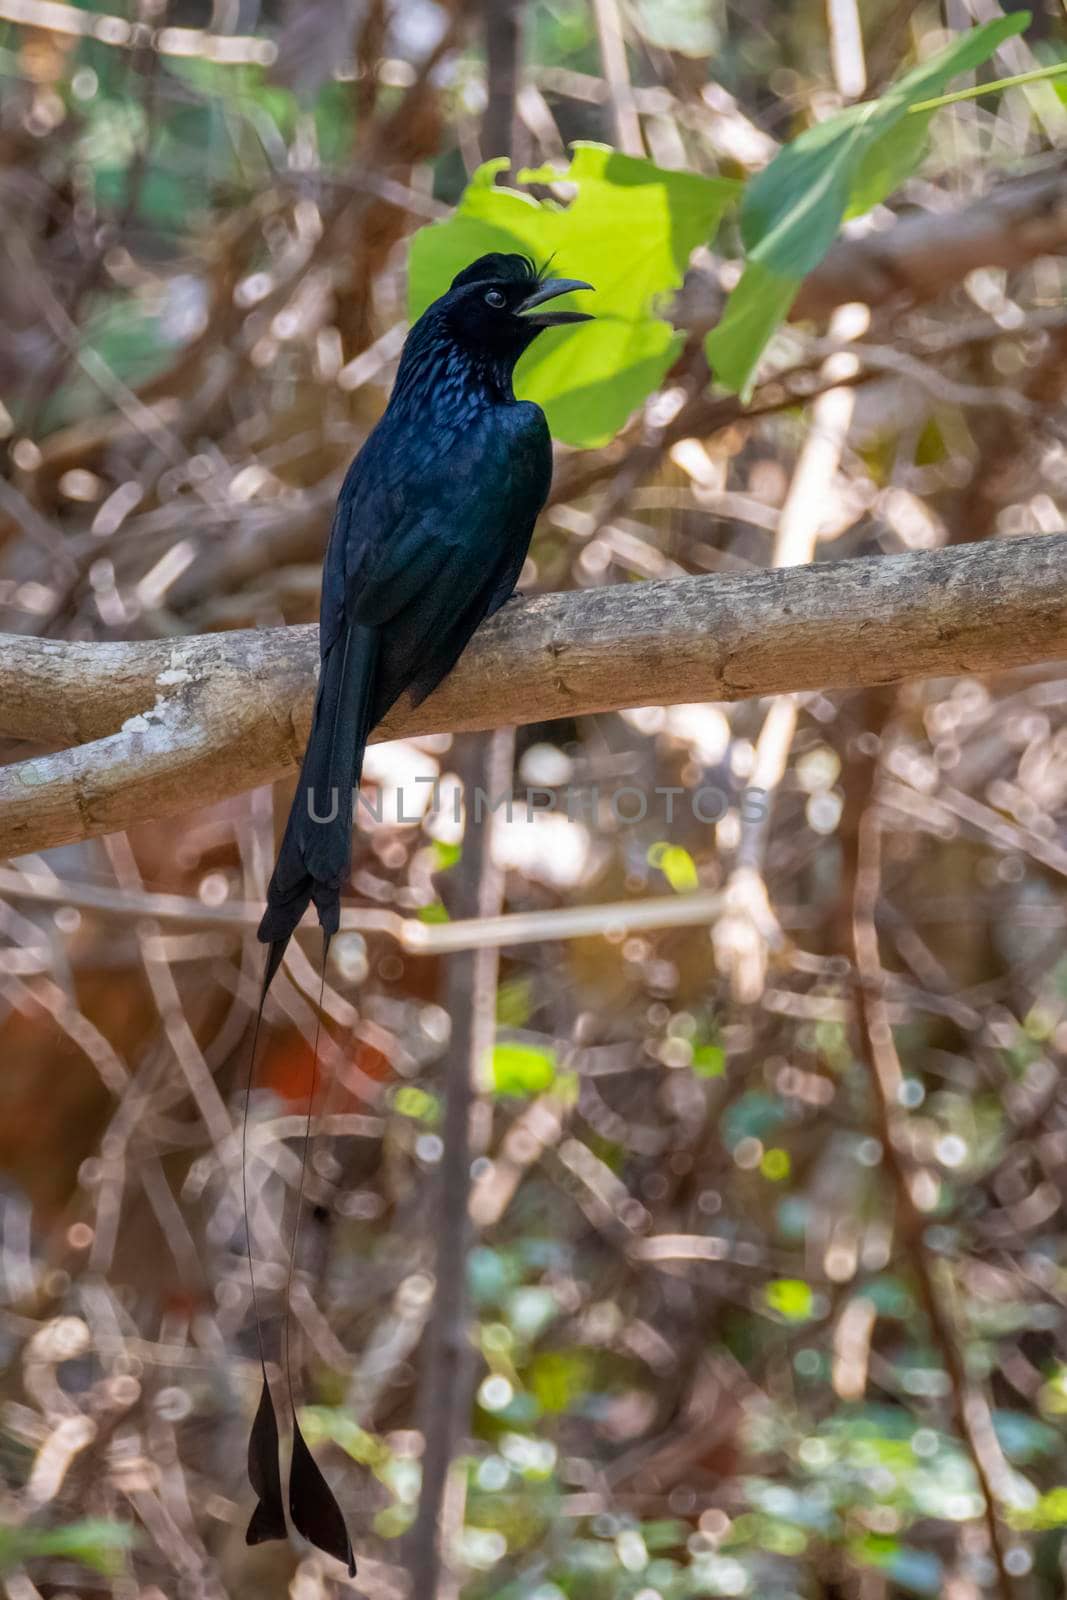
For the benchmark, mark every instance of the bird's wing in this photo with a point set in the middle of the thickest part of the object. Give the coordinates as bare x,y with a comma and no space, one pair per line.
421,546
407,520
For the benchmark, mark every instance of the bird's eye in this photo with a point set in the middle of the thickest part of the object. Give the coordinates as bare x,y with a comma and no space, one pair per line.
494,298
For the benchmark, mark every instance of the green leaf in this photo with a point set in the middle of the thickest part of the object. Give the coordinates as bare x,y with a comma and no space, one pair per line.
676,865
163,198
514,1002
709,1061
333,1423
791,1298
558,1378
757,307
917,1571
522,1070
410,1101
134,343
792,211
685,26
435,911
94,1542
1050,1511
334,123
629,230
776,1165
898,145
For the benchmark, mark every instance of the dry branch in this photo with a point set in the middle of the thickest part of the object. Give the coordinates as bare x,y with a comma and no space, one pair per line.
183,723
446,1388
921,255
924,253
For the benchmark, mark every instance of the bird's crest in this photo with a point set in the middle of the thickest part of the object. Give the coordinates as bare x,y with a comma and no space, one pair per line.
500,268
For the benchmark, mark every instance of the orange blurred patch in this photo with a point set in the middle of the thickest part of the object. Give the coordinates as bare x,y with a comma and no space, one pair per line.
286,1069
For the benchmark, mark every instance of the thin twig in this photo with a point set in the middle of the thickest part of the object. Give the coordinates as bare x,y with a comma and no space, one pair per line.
445,1390
503,56
846,47
879,1054
617,72
744,934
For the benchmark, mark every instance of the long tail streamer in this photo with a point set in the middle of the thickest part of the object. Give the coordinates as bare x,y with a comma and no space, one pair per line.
313,1507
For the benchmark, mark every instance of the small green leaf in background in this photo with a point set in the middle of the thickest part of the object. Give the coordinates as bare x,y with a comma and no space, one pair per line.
420,1106
685,26
791,1298
435,911
915,1571
558,1378
776,1165
95,1543
676,865
514,1002
333,1423
1050,1511
132,341
522,1070
792,210
629,230
709,1061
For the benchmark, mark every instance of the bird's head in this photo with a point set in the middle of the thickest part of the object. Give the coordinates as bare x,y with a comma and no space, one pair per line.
496,306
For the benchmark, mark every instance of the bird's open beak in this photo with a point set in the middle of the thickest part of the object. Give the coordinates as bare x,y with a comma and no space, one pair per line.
549,290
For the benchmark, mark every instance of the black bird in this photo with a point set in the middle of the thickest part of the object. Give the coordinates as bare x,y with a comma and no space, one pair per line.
431,529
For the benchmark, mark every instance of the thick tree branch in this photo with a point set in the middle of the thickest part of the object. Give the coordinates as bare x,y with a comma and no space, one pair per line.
183,723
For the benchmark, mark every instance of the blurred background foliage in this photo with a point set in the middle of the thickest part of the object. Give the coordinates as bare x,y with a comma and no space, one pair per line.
768,1278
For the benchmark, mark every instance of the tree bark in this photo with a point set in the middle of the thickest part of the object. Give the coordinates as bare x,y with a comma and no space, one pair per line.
183,723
